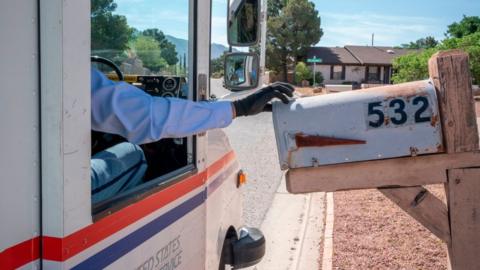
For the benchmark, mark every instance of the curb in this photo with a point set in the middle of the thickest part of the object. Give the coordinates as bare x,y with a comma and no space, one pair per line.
328,234
293,229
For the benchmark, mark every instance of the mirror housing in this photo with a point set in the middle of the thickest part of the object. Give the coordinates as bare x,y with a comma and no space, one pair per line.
243,22
241,71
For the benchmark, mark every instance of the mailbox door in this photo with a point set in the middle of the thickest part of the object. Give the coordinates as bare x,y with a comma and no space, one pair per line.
369,124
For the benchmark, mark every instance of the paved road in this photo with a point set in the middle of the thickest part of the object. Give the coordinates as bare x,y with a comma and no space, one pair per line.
254,142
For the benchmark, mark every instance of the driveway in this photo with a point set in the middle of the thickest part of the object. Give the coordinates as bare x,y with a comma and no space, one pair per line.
253,140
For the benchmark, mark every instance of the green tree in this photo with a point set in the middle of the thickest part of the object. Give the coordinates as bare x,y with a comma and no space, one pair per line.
471,45
463,35
296,28
217,66
467,26
423,43
302,72
414,66
110,33
169,52
274,7
148,50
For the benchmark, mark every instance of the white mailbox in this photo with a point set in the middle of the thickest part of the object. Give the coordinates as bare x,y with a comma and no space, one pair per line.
369,124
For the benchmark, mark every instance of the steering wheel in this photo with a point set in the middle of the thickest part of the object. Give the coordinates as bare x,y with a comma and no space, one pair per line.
101,140
109,63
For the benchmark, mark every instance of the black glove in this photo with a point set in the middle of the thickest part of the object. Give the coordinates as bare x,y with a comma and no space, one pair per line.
259,101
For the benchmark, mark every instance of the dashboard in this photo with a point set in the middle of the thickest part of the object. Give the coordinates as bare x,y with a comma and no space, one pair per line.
163,86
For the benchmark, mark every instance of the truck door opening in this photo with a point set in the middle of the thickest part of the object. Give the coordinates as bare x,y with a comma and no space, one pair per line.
148,42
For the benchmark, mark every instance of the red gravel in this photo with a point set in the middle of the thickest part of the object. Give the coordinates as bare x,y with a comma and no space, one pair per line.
371,232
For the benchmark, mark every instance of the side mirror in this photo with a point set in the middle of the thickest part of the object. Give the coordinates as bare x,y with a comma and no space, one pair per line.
241,71
243,22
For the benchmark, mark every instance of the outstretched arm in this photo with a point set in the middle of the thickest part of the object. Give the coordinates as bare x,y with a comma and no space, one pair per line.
123,109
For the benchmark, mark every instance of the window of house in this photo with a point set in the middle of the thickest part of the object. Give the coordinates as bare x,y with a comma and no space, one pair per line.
373,74
337,73
142,41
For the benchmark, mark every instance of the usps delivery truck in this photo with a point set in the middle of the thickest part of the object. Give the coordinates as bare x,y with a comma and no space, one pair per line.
187,212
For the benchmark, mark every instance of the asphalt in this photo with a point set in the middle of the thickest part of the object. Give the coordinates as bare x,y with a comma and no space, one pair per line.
253,140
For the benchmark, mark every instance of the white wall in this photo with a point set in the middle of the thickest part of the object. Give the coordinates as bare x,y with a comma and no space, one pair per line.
324,69
19,121
354,73
65,106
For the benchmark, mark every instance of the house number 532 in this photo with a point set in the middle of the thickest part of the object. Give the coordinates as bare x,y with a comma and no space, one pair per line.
398,112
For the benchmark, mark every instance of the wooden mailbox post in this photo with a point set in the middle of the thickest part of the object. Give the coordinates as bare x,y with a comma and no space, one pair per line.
401,179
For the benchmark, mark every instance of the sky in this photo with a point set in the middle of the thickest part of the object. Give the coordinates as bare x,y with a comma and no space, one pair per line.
170,16
344,22
352,22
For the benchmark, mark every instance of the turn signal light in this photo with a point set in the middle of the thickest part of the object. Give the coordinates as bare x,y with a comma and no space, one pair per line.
241,179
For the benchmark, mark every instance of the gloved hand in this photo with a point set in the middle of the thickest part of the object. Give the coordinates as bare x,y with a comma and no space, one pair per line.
260,100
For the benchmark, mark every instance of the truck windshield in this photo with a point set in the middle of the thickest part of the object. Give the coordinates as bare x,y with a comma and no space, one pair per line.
143,37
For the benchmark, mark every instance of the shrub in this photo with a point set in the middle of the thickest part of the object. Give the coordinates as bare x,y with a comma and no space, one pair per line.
318,78
471,45
414,66
302,72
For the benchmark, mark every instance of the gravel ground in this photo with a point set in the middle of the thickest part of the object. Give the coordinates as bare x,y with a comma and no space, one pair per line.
310,91
253,140
371,232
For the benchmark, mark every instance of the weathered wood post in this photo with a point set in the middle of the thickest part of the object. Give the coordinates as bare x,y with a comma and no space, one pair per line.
349,165
451,75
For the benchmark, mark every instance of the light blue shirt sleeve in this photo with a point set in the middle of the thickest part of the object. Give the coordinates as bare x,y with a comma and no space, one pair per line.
123,109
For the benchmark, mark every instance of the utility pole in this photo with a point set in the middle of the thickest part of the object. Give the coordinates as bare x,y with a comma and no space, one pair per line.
263,39
373,38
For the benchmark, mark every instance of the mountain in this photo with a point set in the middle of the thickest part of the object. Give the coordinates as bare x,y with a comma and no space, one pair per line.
217,50
182,47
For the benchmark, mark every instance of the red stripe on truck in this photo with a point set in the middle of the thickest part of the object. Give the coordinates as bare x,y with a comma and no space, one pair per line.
61,249
20,254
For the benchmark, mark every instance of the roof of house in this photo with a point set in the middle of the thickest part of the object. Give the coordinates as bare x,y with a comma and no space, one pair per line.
357,55
333,55
376,55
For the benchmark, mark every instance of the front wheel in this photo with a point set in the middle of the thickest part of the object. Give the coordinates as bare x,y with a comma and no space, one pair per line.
225,257
245,251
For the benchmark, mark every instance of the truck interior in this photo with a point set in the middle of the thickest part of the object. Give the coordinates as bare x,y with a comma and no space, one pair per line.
139,52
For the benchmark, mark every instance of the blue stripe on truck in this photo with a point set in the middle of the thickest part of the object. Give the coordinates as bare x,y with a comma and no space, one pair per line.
118,249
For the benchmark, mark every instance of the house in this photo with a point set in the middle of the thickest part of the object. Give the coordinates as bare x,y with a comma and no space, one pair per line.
355,64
